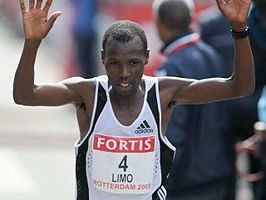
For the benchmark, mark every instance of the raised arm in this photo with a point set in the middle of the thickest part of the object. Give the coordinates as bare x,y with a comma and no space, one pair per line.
36,26
242,81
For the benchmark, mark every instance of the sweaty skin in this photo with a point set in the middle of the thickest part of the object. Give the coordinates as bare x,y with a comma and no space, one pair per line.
124,64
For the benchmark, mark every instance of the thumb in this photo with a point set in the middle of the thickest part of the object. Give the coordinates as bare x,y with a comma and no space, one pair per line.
53,18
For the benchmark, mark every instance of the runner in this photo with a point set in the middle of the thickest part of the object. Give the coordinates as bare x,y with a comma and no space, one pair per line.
122,152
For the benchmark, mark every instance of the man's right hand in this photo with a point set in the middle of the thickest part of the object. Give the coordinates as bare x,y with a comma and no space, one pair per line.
35,20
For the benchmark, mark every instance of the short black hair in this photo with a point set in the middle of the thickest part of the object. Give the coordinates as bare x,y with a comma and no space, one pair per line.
124,31
175,14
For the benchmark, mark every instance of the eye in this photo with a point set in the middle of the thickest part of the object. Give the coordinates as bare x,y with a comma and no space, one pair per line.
134,62
114,63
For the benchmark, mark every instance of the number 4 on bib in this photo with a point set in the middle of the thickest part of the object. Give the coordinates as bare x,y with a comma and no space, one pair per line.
123,164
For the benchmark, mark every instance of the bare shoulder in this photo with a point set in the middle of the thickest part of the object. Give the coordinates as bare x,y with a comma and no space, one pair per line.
174,84
172,89
84,88
76,80
170,80
80,85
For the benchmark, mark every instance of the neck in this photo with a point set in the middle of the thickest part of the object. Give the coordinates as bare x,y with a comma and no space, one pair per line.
129,100
177,34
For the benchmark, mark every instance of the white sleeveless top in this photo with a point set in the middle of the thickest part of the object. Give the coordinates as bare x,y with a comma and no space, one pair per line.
118,162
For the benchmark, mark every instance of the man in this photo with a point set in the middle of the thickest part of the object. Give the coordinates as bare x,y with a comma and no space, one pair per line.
122,152
199,132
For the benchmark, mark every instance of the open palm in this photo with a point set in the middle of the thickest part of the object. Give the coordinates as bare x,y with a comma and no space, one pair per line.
234,10
35,21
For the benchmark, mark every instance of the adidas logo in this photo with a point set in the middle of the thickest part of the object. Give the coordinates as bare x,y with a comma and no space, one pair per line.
144,127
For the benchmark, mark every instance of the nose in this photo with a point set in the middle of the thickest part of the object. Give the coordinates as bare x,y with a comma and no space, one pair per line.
125,71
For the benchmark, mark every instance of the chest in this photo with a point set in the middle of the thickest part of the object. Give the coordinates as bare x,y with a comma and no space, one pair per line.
127,115
131,123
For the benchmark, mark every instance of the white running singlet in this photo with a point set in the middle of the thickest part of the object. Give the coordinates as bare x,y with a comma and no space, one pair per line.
118,162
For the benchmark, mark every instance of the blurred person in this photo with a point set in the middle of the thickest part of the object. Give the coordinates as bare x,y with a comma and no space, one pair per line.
203,163
123,115
85,33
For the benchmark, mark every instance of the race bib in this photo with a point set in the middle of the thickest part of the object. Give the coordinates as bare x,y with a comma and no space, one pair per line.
123,164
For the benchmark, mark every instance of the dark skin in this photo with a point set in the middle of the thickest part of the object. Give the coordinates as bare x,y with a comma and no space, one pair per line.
124,64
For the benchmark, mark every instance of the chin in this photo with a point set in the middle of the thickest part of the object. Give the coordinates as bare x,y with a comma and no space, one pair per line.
125,91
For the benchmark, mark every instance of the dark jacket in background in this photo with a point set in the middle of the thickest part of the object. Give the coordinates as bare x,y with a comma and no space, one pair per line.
199,132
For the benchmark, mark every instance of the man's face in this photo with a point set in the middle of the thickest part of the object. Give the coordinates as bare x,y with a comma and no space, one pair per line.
124,64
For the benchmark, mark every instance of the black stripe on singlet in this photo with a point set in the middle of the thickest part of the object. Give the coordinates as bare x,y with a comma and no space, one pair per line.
166,154
81,175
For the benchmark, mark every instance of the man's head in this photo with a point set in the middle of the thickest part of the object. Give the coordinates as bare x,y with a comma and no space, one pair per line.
124,55
123,31
172,17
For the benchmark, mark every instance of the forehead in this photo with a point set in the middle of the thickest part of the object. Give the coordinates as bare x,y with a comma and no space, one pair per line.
134,45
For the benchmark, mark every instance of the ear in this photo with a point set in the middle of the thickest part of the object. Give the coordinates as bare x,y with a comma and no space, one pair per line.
147,56
161,30
102,55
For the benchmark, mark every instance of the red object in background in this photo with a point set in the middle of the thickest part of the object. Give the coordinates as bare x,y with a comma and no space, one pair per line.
137,11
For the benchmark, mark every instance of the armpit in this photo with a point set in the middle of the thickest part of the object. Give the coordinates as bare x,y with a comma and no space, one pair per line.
80,105
171,104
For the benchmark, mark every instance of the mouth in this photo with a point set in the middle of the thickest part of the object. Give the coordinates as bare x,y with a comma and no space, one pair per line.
124,85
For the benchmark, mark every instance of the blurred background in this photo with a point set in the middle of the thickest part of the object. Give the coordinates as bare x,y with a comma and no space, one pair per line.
36,143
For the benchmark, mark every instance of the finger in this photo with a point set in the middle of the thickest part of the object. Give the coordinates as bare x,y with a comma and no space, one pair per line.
226,1
31,3
39,4
47,5
53,18
220,4
22,6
